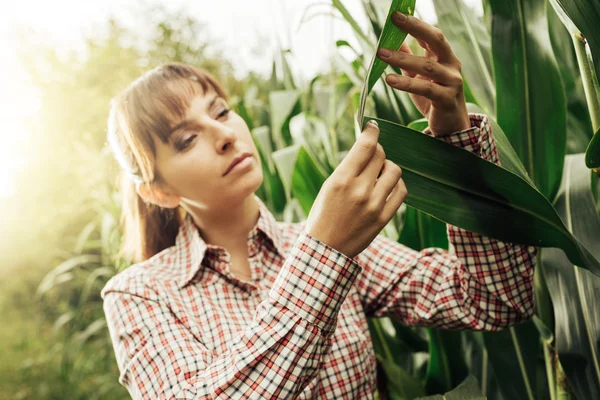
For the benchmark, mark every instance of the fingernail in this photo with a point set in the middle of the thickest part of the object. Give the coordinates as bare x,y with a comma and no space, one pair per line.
373,123
399,17
385,53
392,79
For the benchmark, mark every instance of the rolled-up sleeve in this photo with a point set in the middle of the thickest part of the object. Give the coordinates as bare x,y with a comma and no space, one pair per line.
275,356
480,284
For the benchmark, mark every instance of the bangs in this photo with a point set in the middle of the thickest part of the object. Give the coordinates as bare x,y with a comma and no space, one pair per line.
166,98
155,103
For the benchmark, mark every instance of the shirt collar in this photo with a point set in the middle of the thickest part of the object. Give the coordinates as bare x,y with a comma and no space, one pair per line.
190,248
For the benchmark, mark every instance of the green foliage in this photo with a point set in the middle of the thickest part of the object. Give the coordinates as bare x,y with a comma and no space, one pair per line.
59,347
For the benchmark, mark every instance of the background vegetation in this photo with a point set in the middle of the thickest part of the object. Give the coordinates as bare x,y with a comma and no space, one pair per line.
60,251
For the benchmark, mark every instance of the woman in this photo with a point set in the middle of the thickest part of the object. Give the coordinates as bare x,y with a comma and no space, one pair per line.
226,302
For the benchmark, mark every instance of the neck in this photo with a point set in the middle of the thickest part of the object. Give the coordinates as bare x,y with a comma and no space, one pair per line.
230,227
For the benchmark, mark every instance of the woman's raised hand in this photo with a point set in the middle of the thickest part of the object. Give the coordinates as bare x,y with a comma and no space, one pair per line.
359,198
434,81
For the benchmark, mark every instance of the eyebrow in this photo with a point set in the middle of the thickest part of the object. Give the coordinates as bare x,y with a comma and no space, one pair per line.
186,122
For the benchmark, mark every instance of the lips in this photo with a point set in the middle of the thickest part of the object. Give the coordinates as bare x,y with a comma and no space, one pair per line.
237,160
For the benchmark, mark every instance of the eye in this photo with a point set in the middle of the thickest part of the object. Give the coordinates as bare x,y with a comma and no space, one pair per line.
224,113
185,143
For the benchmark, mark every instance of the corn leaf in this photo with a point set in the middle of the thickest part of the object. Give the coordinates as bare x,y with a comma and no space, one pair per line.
460,188
530,110
584,14
467,390
579,125
592,154
391,37
574,291
470,41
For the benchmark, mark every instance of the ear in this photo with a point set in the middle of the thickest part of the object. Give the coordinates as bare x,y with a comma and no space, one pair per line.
154,195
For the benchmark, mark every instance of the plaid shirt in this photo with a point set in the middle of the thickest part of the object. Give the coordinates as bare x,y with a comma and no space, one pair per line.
183,326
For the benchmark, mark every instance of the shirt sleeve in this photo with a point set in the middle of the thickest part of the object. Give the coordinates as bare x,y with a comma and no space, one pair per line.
276,356
480,284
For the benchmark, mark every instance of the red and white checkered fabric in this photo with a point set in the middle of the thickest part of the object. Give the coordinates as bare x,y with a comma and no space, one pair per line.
184,327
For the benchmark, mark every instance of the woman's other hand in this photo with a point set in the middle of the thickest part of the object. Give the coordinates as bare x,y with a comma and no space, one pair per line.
434,81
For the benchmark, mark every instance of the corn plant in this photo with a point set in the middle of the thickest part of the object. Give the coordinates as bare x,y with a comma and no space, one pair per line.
543,117
515,79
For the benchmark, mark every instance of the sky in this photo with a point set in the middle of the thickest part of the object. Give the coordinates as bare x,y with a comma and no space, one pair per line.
257,23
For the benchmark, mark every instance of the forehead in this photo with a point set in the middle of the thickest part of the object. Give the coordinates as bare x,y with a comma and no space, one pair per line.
189,95
172,103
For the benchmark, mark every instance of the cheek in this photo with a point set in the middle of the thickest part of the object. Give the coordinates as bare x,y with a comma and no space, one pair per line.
245,136
186,172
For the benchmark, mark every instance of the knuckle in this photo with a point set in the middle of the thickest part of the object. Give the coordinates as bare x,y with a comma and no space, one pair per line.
458,65
398,170
439,34
335,184
456,80
404,194
366,144
392,166
428,89
360,196
429,66
373,209
402,188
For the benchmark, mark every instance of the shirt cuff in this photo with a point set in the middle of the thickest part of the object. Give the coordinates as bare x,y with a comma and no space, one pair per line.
314,281
477,139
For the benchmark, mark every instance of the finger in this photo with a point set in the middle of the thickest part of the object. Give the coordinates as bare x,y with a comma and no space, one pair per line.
369,175
406,49
431,35
390,174
420,65
422,87
394,201
360,153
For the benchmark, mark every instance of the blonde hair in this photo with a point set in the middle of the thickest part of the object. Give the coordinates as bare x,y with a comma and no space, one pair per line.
147,109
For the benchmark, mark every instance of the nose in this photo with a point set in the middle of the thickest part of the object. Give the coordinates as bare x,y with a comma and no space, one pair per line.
226,136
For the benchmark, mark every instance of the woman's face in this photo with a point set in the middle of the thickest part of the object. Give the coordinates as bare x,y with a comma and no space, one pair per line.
200,150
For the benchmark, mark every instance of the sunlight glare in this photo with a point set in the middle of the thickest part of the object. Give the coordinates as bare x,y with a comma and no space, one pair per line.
20,103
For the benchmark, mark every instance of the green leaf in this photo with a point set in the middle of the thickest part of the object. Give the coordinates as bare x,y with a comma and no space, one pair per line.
462,189
447,366
307,179
513,354
507,155
585,15
467,390
272,184
391,38
531,104
419,125
471,43
285,161
363,39
421,230
284,105
579,125
574,291
400,382
592,154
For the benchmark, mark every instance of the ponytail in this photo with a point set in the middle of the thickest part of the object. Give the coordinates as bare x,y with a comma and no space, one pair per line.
147,228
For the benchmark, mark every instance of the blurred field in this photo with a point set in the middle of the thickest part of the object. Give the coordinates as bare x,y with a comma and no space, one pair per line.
59,231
